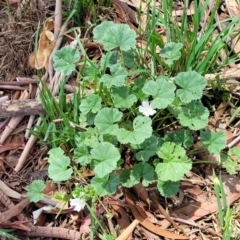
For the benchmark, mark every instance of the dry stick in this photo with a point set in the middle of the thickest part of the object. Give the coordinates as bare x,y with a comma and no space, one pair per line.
24,107
29,126
58,18
13,122
26,150
128,231
10,87
55,232
21,82
57,35
233,142
233,73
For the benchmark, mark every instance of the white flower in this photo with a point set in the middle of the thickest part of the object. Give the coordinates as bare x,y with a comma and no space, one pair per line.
78,204
146,109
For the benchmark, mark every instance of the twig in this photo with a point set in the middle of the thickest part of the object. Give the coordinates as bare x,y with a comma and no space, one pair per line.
26,81
13,122
24,107
10,87
233,73
128,231
29,126
26,150
58,18
57,34
233,142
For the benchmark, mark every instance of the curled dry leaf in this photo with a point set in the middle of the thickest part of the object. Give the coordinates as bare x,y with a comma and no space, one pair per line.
8,191
46,44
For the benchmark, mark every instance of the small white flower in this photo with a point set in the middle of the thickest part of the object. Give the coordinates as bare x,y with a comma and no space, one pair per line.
146,109
78,204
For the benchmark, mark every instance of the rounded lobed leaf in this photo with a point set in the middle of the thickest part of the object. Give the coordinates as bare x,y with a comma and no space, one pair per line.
91,103
114,36
175,162
171,52
192,85
142,130
105,156
105,185
162,90
194,115
105,120
65,60
215,141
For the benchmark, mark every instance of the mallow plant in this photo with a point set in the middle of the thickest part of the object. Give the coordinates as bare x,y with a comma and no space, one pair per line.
125,112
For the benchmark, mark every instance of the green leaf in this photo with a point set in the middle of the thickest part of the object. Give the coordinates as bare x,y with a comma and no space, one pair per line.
35,189
192,84
181,137
55,153
105,185
105,156
234,152
121,98
100,30
79,138
229,163
143,172
138,87
162,91
149,147
82,155
105,120
114,36
141,130
175,107
175,162
194,115
91,71
171,52
117,77
91,103
65,60
58,168
127,179
168,188
91,137
128,59
110,59
215,141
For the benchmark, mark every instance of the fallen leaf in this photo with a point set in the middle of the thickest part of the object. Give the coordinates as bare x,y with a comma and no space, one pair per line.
8,191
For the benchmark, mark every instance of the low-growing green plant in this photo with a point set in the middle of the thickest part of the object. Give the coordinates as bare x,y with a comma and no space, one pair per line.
125,114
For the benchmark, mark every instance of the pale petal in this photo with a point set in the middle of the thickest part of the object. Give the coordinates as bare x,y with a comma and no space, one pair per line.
78,204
